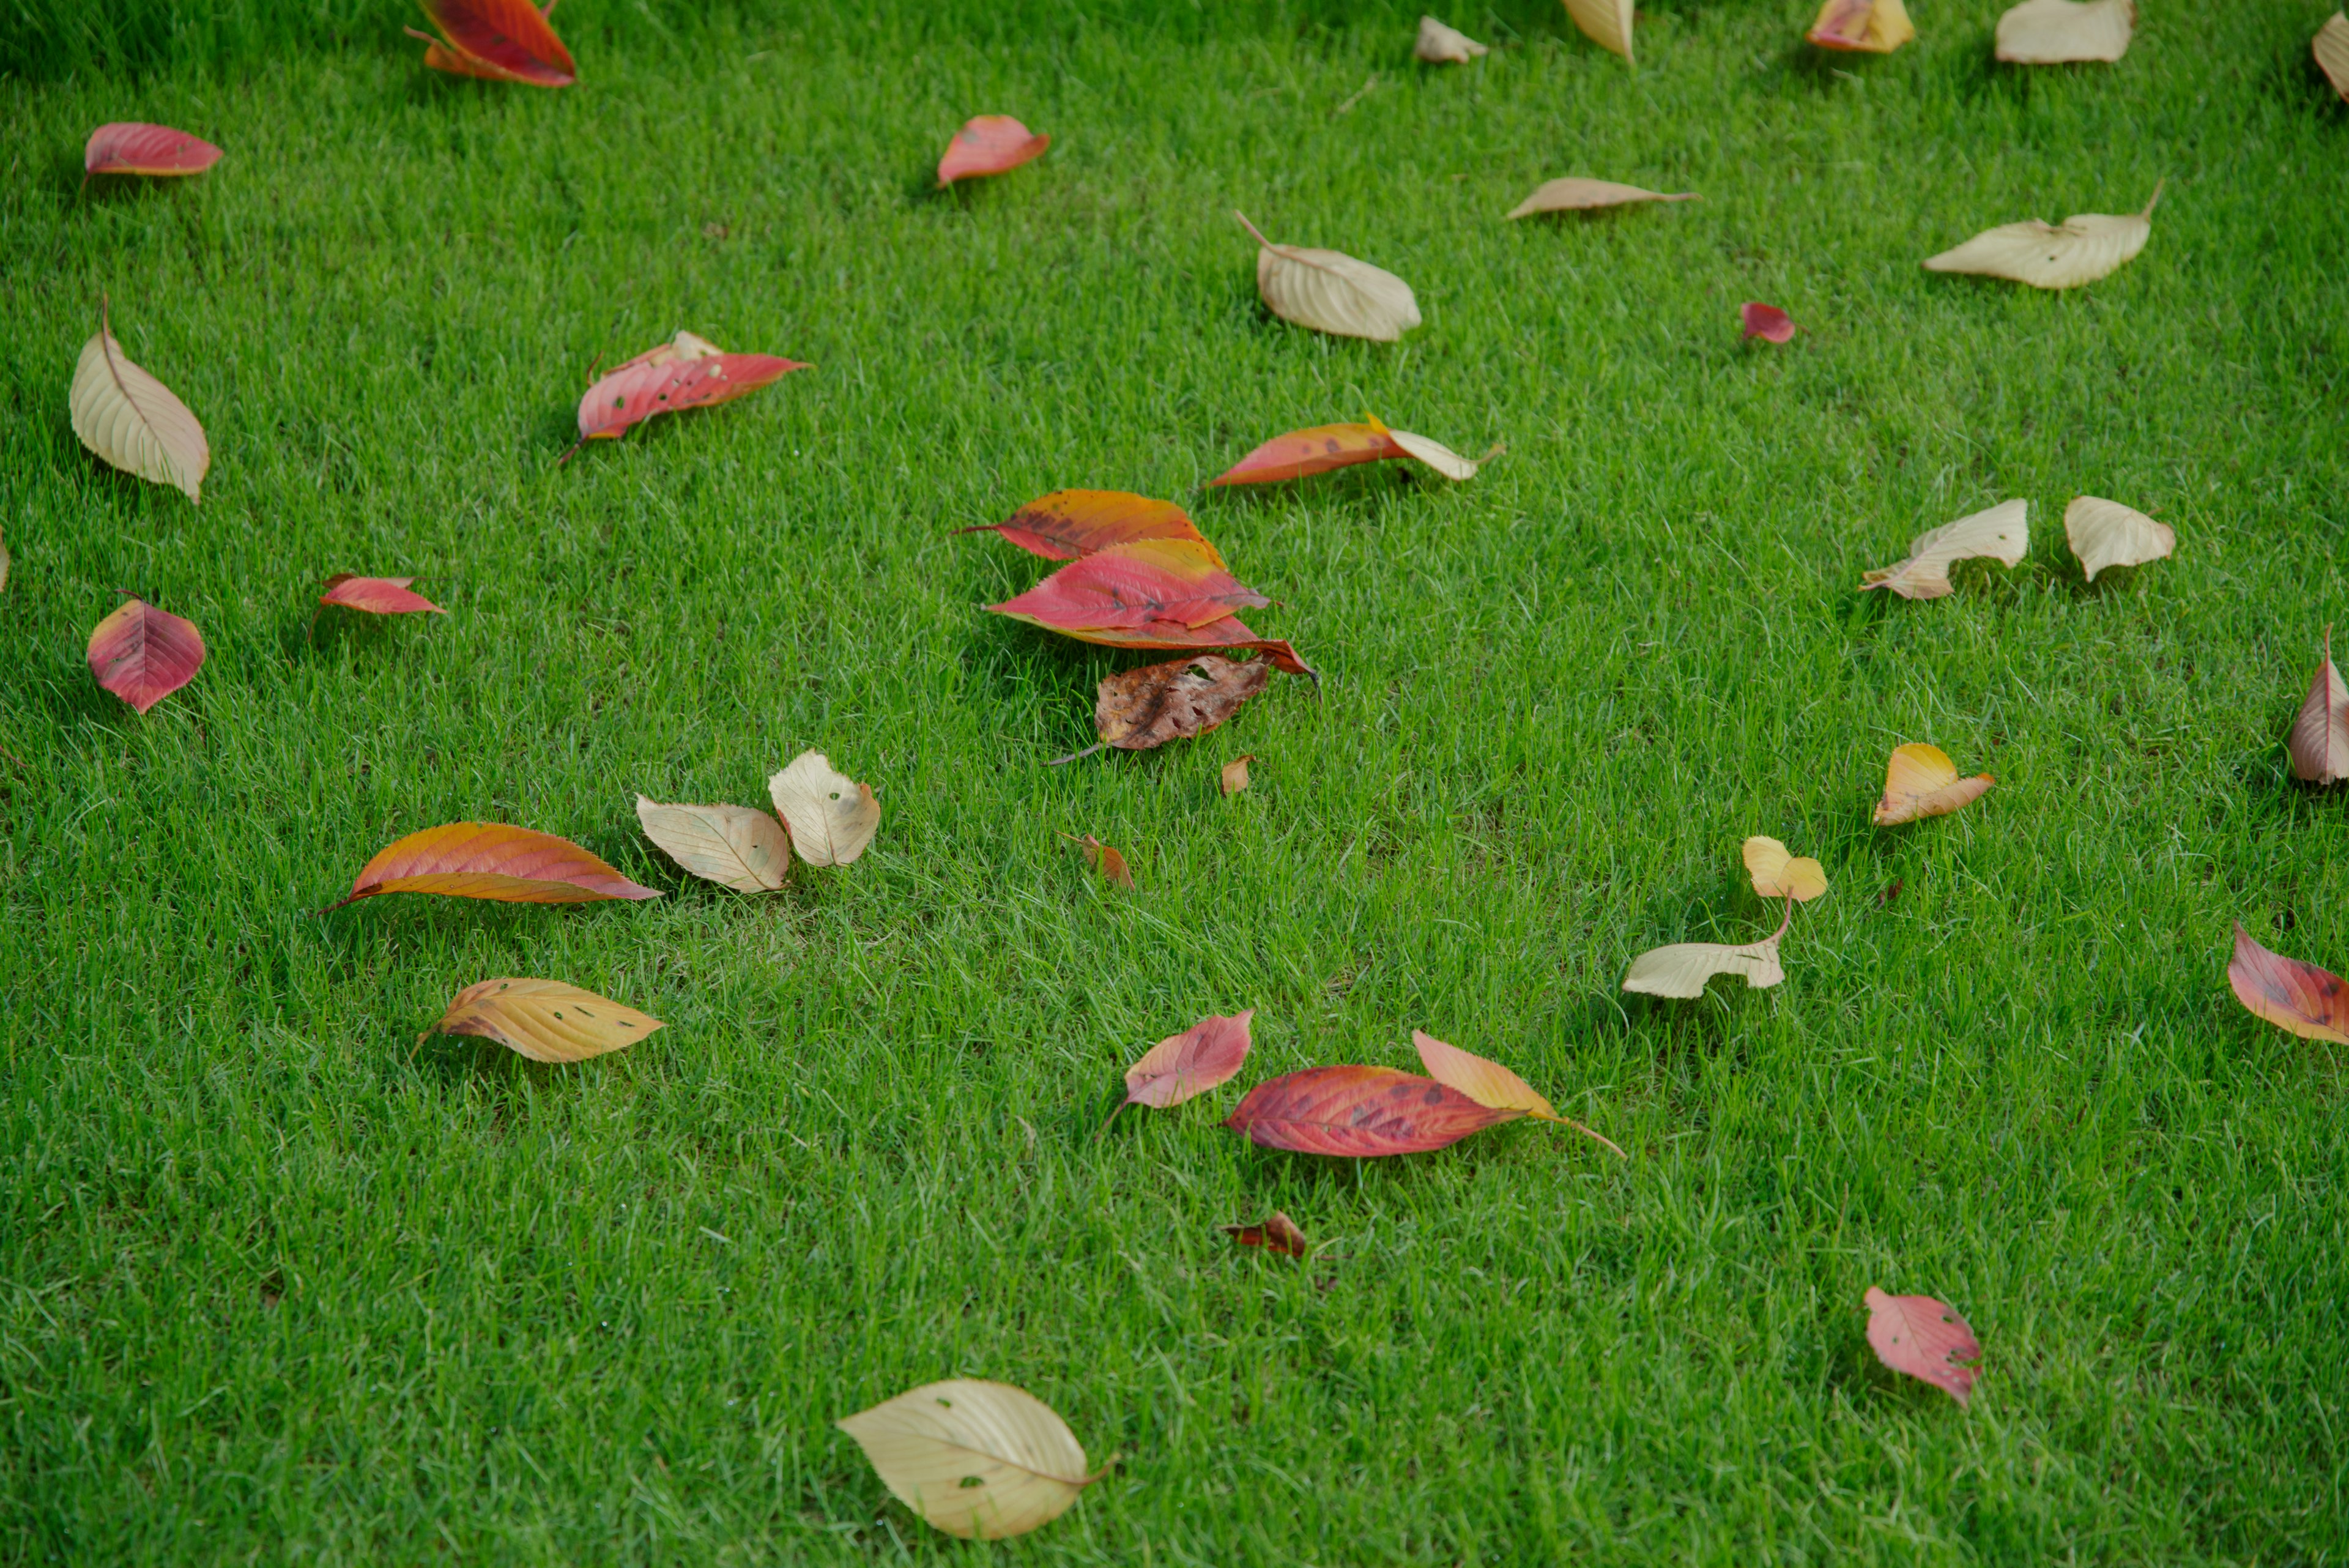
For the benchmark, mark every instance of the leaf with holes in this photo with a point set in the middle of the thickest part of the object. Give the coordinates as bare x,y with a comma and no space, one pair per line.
989,144
1606,22
132,421
687,372
1578,195
2059,32
1360,1112
545,1020
1867,26
2105,533
142,654
1277,1234
1139,709
128,146
1766,322
1923,1338
1069,523
2003,533
2320,731
1441,46
832,817
377,596
1331,292
1491,1084
1919,780
495,861
2312,1003
1779,875
979,1460
1182,1066
729,845
497,40
2085,248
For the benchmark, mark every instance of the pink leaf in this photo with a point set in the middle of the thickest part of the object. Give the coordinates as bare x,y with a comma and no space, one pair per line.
142,654
1767,322
128,146
382,595
1924,1338
991,144
1190,1063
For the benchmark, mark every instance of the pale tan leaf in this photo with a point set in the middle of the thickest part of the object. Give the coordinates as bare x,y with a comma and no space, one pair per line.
2320,732
2058,32
1682,968
545,1020
1441,46
1235,776
2331,51
1331,292
831,817
979,1460
1779,875
2107,533
2003,533
2083,248
1573,196
1441,458
132,421
731,845
1606,22
1920,781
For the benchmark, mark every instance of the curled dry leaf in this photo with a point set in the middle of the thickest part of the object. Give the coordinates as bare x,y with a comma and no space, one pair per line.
832,817
2003,533
492,860
1331,292
377,596
1278,1234
2058,32
1924,1338
1766,322
730,845
2107,533
1359,1111
142,654
2331,48
991,144
1778,875
1868,26
1105,860
1920,781
497,40
128,146
1574,195
1069,523
545,1020
132,421
687,372
1192,1063
1139,709
1682,968
1489,1083
979,1460
1606,22
2312,1003
1231,781
1441,46
2320,731
2083,248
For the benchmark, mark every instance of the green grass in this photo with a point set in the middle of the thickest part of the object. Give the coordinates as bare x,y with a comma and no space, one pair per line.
282,1286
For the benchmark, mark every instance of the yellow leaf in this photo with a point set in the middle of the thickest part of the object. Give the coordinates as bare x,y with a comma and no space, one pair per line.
545,1020
2083,248
979,1460
1920,781
1778,875
2057,32
1572,196
731,845
831,815
2003,533
132,421
1682,968
2107,533
1331,292
1491,1084
1606,22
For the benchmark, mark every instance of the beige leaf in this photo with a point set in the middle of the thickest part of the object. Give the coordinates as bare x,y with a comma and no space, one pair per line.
1778,875
2084,249
1606,22
1441,458
2108,533
2331,51
2320,733
743,849
1920,781
2003,533
831,815
1441,46
1573,196
1331,292
1683,969
2057,32
545,1020
980,1461
1235,777
132,421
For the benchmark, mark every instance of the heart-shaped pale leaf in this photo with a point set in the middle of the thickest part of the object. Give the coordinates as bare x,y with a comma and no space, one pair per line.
687,372
2331,48
1766,322
2003,533
498,40
1573,196
377,596
1920,781
1924,1338
1181,1065
1069,523
832,817
2320,732
1489,1083
1779,875
2058,32
991,144
1682,968
129,148
980,1461
1231,781
142,654
2312,1003
132,421
545,1020
2108,533
1606,22
2084,248
1441,458
1105,860
492,860
1439,45
731,845
1139,709
1331,292
1868,26
1278,1234
1359,1111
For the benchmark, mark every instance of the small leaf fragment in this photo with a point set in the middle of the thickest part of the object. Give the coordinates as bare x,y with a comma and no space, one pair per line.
1778,875
1136,710
1277,1233
2085,248
989,144
377,596
1925,1339
2003,533
2320,732
1182,1066
2059,32
1606,22
1235,776
1869,26
1107,861
1766,322
1331,292
2312,1003
831,817
128,146
729,845
545,1020
142,654
1573,194
1920,781
1360,1112
979,1460
2107,533
1439,45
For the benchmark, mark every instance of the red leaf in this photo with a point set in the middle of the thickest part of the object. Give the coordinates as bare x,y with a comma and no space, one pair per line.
1225,634
1924,1338
504,40
142,654
382,595
1131,586
492,860
1278,1234
1767,322
1359,1111
128,146
646,386
1068,523
1190,1063
2313,1003
1307,451
991,144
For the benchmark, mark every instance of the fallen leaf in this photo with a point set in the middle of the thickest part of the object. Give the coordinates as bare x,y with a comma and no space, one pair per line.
1139,709
545,1020
2058,32
128,146
2003,533
1920,781
2084,248
492,860
1233,778
1869,26
1681,970
1924,1338
1129,585
377,595
687,372
1439,45
2107,533
1606,22
1069,523
142,654
1359,1111
1181,1065
2331,48
991,144
1105,860
1778,875
1766,322
1573,196
132,421
979,1460
1331,292
2313,1003
1441,458
733,846
2320,732
1892,891
1278,1234
1301,453
498,40
4,568
1491,1084
831,815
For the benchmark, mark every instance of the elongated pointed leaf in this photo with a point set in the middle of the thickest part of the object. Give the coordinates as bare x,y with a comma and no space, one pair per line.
2320,731
1229,635
730,845
1360,1112
142,654
128,146
991,144
132,421
545,1020
1303,452
2001,533
979,1460
1107,862
1574,194
1606,22
1069,523
1923,1338
1192,1063
1130,586
495,861
2085,248
2312,1003
1331,292
663,380
377,596
508,40
1919,780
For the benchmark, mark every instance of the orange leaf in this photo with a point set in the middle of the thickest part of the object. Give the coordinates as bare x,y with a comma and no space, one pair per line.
1278,1234
1190,1063
1924,1338
991,144
142,654
1359,1111
1129,586
1068,523
2313,1003
1107,861
663,380
128,146
379,595
492,860
502,40
1920,781
1309,452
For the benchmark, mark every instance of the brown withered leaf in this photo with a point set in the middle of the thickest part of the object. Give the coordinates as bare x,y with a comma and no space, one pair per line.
1103,859
1277,1234
1139,709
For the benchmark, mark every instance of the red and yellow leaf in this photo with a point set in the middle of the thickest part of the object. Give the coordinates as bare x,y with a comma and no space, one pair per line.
1924,1338
1181,1065
662,380
1069,523
991,144
378,596
142,654
492,860
1309,452
1359,1111
129,147
502,40
2312,1003
1128,586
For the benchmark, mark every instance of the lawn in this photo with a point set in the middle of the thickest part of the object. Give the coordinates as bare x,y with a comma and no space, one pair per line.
279,1283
